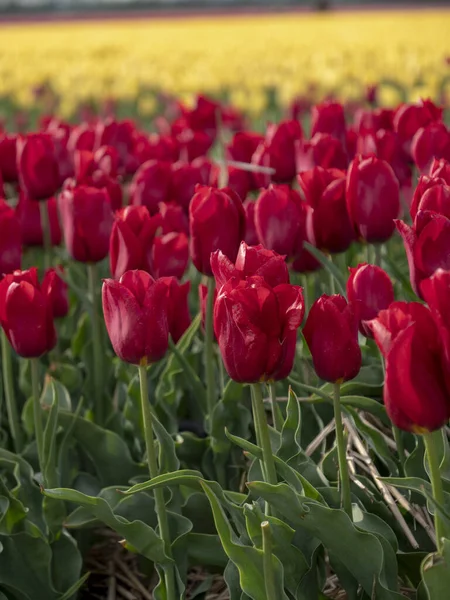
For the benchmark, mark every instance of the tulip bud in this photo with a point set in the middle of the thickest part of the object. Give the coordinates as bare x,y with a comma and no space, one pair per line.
241,149
373,198
238,180
216,222
37,166
251,237
415,392
29,216
8,158
26,314
323,150
151,185
170,255
10,239
440,169
251,260
135,311
430,142
427,246
120,135
436,292
57,292
328,117
409,118
131,240
331,332
87,220
256,328
278,152
324,191
185,178
82,137
372,289
387,146
178,317
173,218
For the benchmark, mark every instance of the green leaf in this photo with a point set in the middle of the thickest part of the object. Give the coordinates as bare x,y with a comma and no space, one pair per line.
55,391
12,510
70,594
361,553
168,460
290,443
49,449
248,560
329,266
205,549
108,452
436,574
416,484
182,477
139,535
229,412
66,563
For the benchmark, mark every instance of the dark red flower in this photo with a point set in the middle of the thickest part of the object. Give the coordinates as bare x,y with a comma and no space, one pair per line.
135,311
26,314
87,219
440,169
324,190
37,166
238,180
170,255
256,328
186,176
331,332
251,237
8,158
323,150
373,198
409,118
429,143
82,137
372,288
57,291
431,194
386,145
278,152
178,317
29,216
328,117
173,218
151,185
10,239
216,222
120,135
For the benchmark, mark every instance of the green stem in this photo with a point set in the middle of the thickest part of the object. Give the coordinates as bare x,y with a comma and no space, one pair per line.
378,254
160,504
431,441
37,412
332,283
209,353
400,446
8,383
262,433
99,409
46,233
346,501
276,411
269,575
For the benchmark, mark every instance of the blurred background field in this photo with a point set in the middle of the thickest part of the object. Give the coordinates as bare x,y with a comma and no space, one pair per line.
260,63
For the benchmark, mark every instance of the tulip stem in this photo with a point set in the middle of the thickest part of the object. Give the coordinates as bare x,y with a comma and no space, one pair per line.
97,346
37,413
8,383
262,435
431,440
400,446
269,575
160,504
276,412
46,234
209,354
346,501
378,255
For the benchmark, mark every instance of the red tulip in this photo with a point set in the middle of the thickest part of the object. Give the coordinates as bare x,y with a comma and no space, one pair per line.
186,176
432,195
238,180
328,117
415,392
440,169
278,152
120,135
156,147
203,300
373,198
131,241
60,134
135,310
323,150
192,144
10,239
99,170
57,292
251,260
8,158
243,146
256,328
82,137
151,185
409,118
251,237
86,220
427,246
324,190
371,121
173,218
372,289
216,222
178,317
331,332
436,292
29,216
170,255
430,142
387,146
37,166
26,314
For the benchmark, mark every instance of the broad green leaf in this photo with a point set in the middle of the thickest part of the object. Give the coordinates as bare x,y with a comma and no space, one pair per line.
248,560
436,574
229,412
361,553
206,550
139,535
182,477
55,390
12,510
67,562
290,443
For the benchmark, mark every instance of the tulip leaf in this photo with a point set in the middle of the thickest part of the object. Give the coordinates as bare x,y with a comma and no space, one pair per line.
248,560
137,533
418,485
290,443
436,573
67,562
182,477
329,266
168,460
108,452
206,549
360,552
70,594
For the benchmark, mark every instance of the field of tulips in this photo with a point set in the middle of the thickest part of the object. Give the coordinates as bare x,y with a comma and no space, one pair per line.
225,346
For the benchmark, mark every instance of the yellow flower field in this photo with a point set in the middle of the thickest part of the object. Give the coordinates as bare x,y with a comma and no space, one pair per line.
317,54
